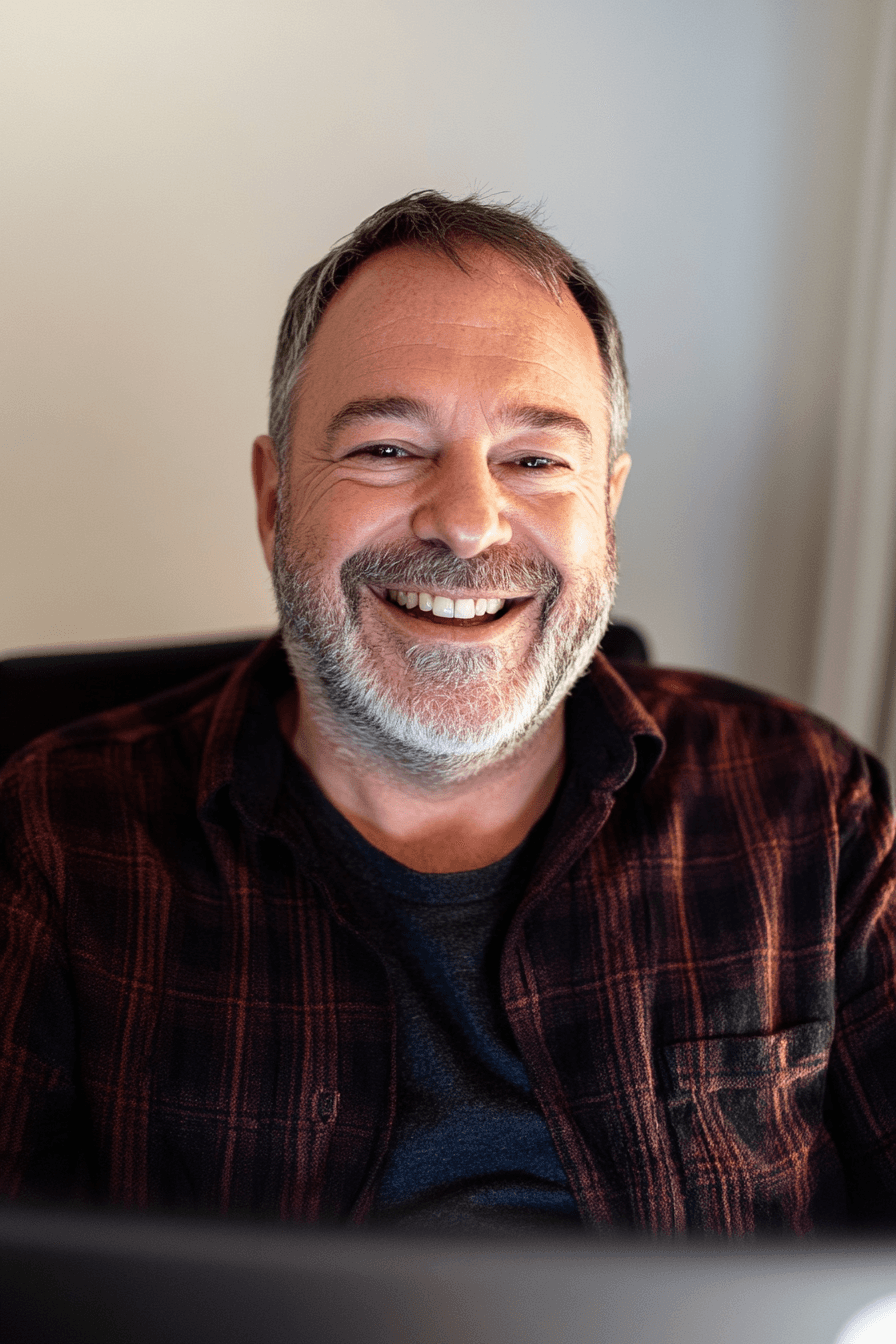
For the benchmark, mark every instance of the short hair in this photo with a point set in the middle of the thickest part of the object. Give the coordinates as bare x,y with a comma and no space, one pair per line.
440,225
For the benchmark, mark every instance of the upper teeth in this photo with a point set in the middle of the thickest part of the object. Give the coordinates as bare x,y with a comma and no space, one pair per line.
456,608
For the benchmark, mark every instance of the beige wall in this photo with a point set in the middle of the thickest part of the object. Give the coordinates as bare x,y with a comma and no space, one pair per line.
170,168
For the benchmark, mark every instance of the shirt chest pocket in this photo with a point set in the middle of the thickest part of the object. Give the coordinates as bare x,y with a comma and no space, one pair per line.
746,1112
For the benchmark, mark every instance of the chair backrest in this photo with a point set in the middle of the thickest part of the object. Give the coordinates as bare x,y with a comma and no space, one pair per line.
40,691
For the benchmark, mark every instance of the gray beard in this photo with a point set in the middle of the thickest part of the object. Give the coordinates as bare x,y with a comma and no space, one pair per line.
458,709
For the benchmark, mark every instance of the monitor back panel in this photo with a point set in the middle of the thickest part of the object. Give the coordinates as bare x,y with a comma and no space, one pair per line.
68,1278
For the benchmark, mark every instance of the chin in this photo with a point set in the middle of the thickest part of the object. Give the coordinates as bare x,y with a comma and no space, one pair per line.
438,713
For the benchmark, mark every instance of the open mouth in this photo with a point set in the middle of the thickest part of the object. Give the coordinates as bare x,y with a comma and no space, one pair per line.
444,610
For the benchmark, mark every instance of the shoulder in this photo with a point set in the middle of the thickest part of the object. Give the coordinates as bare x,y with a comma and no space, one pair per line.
684,703
162,724
722,725
85,779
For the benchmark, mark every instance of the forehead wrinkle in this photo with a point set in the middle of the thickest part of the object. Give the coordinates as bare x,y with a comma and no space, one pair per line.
441,325
524,361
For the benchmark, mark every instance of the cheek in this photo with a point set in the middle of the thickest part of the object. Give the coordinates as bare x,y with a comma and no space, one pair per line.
336,517
573,533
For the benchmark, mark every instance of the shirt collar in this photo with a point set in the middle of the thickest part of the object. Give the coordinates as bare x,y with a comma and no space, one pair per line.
244,757
610,737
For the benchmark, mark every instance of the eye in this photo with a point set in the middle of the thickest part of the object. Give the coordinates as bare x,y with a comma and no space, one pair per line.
536,463
381,451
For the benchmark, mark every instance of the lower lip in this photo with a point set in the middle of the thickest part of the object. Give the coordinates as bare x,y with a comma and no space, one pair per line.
457,631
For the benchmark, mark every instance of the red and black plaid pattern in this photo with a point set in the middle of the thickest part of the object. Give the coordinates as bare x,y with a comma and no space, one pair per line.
700,978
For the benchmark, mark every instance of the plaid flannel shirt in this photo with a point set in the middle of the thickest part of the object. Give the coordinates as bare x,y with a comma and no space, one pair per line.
700,977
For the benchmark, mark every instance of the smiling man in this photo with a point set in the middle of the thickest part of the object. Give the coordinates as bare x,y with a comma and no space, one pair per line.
439,524
425,914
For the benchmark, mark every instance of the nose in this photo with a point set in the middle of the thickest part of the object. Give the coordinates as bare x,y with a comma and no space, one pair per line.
463,505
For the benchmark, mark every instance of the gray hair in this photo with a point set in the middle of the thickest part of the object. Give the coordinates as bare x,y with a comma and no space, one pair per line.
434,222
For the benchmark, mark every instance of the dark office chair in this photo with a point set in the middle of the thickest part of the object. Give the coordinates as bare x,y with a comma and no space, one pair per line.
625,644
40,691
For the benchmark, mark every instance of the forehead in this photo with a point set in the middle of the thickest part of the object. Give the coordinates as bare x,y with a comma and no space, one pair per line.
407,321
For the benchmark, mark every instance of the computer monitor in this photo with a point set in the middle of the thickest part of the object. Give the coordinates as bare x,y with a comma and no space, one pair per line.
99,1278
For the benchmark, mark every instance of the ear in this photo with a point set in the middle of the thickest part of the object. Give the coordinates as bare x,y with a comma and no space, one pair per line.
266,478
618,476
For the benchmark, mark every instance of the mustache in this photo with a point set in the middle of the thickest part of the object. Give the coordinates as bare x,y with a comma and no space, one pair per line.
413,565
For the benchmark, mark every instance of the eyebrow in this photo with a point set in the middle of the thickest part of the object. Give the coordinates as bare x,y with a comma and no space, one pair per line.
378,408
545,417
410,409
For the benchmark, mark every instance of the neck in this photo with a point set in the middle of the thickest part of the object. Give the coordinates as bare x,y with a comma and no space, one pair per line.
448,827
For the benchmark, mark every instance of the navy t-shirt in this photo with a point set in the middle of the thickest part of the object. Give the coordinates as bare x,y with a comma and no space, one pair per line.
470,1147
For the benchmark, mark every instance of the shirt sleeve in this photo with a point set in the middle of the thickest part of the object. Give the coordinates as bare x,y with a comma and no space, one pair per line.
40,1149
862,1078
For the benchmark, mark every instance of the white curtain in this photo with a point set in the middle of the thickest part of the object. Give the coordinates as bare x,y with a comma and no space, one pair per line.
855,669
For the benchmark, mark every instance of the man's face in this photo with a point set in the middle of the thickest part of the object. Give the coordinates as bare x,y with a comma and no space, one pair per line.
449,448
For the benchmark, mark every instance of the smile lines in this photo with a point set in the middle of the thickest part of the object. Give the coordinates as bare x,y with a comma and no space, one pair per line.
456,608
